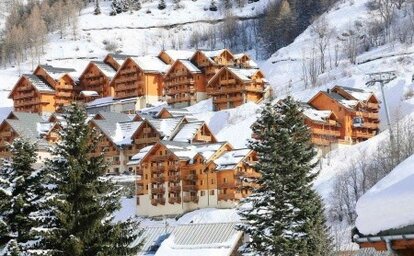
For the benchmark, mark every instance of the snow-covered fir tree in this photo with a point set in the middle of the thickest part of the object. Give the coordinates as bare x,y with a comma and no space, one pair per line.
284,216
83,199
21,193
213,6
97,10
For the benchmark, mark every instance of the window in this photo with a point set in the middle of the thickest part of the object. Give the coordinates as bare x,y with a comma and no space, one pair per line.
212,181
146,187
201,182
212,192
201,171
202,193
225,180
137,200
146,176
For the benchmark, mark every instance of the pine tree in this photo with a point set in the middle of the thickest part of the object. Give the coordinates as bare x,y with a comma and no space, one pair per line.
135,5
161,5
84,200
284,216
21,191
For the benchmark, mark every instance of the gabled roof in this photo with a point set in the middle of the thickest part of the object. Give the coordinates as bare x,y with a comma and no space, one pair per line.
178,54
151,64
319,116
188,131
243,74
348,104
167,126
187,65
210,55
57,72
37,82
106,69
119,58
219,239
28,125
230,159
354,93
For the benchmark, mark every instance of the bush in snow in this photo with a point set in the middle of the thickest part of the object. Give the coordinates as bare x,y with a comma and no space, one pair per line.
161,5
284,216
213,6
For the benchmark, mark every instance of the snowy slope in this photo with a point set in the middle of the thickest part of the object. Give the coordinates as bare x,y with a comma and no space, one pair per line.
390,203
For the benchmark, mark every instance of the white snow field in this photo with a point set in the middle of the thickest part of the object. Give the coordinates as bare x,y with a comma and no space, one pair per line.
390,203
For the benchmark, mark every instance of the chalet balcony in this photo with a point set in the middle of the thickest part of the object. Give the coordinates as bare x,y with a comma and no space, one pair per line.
158,180
64,94
226,185
146,140
229,99
125,95
24,95
116,162
180,99
31,102
246,184
322,141
157,191
247,174
369,125
139,172
224,90
188,188
24,88
190,177
6,134
157,201
160,158
204,138
174,200
374,106
229,81
174,189
140,190
174,178
329,132
362,134
157,170
370,115
65,87
62,101
190,199
175,91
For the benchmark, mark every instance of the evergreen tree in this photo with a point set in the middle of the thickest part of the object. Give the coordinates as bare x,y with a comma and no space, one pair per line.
21,192
213,6
97,10
161,5
284,216
135,5
84,200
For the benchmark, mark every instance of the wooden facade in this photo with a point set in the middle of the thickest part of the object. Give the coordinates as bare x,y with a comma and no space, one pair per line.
210,62
133,81
232,87
97,77
185,84
359,120
170,56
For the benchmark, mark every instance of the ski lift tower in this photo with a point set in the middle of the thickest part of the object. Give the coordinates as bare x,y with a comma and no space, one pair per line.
383,78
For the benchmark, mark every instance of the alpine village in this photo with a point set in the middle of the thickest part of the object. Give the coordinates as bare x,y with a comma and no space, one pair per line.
196,127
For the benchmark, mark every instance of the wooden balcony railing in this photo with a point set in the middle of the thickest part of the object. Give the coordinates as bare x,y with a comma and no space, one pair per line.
247,174
140,190
174,189
174,200
189,199
191,177
157,170
328,131
146,140
158,180
174,178
226,185
157,201
188,188
362,134
373,105
157,190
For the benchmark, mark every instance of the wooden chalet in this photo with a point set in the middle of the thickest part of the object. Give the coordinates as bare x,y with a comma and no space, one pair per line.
62,80
123,137
210,62
235,175
96,77
232,87
358,121
184,84
324,127
171,56
33,94
30,126
140,77
243,60
173,178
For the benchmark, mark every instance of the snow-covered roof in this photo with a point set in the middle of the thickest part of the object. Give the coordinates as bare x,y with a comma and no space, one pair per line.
190,66
151,64
215,53
89,93
218,239
151,239
57,72
315,114
358,94
137,158
390,203
179,54
207,150
106,69
167,126
231,159
120,58
28,125
350,104
188,131
38,83
124,132
244,74
100,101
